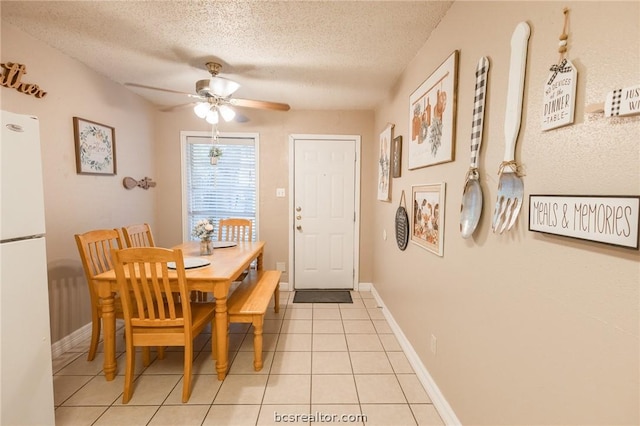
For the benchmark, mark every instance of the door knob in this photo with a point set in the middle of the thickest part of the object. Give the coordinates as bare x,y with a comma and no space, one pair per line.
298,209
298,217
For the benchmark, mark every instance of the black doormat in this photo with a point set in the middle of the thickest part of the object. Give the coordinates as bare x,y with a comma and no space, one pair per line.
322,296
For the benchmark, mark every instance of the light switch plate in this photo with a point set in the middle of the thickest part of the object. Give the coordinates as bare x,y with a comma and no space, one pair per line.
280,192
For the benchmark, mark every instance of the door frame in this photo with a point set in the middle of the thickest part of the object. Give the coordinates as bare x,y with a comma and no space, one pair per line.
356,169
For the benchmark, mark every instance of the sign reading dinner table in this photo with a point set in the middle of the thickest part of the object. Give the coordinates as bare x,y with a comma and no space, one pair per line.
604,219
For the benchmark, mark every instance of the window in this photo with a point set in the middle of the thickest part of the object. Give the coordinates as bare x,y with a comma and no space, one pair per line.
228,189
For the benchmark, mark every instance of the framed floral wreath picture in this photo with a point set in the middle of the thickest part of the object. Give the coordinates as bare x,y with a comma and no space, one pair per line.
95,147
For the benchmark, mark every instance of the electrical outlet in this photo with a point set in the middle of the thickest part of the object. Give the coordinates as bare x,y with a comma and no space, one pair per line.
434,344
280,192
280,266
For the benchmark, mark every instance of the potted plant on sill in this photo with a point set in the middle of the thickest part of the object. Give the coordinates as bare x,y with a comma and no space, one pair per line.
214,153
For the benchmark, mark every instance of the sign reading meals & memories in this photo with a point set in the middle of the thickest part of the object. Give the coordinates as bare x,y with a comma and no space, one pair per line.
604,219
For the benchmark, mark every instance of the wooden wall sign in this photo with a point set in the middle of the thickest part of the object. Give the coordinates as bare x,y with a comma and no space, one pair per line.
623,102
604,219
12,78
559,96
560,87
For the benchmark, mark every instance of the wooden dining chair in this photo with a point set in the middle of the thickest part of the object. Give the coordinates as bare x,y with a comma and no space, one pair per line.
151,316
234,229
95,249
138,235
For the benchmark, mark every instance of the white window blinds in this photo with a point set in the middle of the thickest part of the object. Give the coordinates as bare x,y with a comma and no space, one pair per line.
228,189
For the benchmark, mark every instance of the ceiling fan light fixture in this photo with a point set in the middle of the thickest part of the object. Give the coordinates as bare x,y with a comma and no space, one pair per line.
223,86
216,86
201,109
212,117
227,113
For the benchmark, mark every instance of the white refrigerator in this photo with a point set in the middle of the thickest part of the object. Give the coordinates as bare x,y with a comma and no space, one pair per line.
26,389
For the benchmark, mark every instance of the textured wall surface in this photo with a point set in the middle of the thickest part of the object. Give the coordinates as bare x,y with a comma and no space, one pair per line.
79,203
531,328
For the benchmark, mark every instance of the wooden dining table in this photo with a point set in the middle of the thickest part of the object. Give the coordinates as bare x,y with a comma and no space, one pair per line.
226,265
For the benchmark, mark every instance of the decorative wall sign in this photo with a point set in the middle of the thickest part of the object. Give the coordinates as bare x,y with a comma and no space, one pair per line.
432,116
604,219
622,102
11,77
396,157
95,147
130,183
384,163
560,87
427,219
560,96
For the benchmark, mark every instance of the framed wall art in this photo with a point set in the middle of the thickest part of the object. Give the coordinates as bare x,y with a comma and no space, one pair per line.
427,218
384,161
95,147
432,116
396,157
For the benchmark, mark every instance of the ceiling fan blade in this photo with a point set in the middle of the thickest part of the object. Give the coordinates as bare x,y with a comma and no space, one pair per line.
142,86
241,118
176,107
250,103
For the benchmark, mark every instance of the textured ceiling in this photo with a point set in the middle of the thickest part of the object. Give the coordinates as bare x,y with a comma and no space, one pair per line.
309,54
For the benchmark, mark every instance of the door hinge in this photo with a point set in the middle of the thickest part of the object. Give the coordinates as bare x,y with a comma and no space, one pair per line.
354,216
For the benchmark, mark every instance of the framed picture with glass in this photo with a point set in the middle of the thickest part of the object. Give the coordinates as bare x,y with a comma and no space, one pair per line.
95,147
427,218
432,117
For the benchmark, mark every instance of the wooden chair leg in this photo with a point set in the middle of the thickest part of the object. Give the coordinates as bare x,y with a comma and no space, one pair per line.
129,370
214,342
95,334
276,299
146,356
258,324
186,381
160,350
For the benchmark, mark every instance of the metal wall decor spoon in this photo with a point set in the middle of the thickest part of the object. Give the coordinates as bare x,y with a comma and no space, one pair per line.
471,208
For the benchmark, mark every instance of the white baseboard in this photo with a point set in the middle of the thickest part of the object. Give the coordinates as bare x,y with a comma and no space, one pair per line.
285,287
441,404
71,340
364,287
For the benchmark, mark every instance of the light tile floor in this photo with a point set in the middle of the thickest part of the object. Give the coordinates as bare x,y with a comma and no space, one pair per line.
319,359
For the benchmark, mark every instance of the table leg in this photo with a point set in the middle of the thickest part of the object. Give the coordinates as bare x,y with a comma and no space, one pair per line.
222,331
109,327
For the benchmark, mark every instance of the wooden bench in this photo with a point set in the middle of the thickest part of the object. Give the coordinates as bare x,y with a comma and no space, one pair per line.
248,304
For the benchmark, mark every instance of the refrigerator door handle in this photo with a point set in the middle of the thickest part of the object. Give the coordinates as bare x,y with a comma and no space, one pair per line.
28,237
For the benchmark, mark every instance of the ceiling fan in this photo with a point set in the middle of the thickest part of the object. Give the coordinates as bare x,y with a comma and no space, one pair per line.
214,97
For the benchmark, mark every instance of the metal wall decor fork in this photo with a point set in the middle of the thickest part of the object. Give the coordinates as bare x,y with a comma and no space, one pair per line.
510,185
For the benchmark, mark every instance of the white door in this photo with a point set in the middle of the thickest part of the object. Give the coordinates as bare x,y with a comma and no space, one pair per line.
324,212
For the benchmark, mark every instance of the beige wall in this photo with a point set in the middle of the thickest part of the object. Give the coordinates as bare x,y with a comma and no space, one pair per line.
274,129
78,203
531,329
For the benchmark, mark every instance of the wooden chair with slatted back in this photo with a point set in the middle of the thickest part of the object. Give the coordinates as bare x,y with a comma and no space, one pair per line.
234,229
138,235
95,249
152,317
